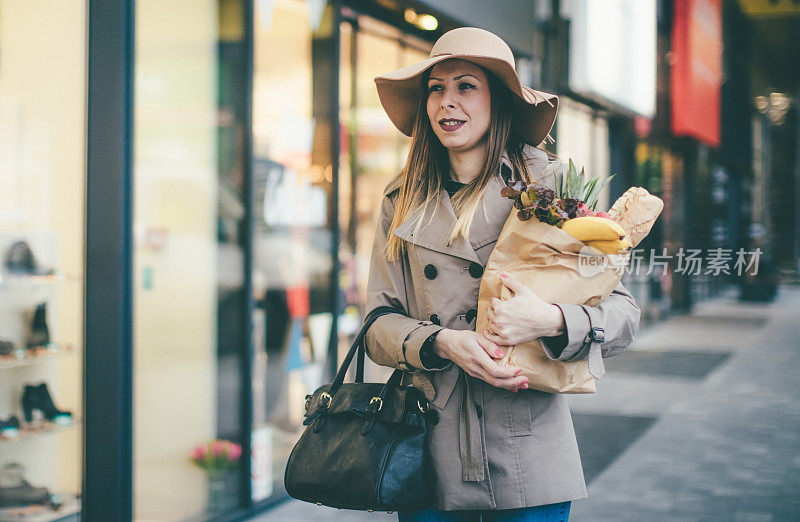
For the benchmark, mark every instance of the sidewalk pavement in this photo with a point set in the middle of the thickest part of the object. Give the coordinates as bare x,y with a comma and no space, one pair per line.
696,421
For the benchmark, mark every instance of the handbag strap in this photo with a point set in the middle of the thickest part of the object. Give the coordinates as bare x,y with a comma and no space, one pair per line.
359,345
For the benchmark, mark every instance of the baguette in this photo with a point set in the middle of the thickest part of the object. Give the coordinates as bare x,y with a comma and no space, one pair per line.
636,212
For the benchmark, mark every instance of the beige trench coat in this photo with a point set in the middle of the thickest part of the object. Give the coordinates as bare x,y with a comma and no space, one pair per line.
491,449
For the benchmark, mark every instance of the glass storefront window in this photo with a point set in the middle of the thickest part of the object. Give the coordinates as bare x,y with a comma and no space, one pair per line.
189,296
292,262
373,149
43,188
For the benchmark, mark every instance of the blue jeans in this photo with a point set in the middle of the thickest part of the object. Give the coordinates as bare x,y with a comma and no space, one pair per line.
548,513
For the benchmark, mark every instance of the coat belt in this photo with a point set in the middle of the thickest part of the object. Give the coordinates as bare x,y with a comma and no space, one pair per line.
469,427
469,433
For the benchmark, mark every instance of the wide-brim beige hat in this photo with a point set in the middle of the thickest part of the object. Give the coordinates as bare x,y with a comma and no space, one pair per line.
399,91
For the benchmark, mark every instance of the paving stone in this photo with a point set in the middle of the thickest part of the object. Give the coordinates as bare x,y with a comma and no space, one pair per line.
733,438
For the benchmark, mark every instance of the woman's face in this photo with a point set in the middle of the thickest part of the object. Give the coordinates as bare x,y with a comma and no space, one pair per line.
459,104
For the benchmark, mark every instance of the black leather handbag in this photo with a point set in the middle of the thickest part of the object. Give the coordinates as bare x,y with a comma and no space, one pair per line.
364,443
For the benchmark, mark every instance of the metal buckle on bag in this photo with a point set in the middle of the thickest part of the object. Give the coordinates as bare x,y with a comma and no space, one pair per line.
379,401
327,398
421,408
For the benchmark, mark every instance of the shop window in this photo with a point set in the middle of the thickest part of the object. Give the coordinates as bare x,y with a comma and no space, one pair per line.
373,151
189,295
292,244
42,193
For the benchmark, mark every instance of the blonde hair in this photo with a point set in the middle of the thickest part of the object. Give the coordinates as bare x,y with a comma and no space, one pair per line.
428,165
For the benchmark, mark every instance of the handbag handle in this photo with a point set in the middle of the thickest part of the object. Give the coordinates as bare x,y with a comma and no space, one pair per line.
359,346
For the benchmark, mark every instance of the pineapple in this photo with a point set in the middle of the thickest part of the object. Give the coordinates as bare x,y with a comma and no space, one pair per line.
570,184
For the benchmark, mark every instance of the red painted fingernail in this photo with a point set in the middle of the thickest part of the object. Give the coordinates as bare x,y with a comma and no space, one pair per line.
503,275
524,386
518,370
498,353
515,391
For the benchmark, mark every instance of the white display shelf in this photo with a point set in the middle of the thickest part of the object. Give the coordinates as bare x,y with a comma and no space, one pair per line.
41,355
25,280
46,430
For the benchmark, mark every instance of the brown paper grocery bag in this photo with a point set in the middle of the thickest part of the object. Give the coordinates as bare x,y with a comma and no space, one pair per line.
559,269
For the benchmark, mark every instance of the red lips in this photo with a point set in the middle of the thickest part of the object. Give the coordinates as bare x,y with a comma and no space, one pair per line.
451,124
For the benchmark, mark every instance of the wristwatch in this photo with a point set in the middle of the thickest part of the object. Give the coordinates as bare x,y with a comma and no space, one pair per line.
428,357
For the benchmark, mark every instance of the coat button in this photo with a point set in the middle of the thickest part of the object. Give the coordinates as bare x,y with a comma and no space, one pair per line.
435,319
475,270
471,315
430,271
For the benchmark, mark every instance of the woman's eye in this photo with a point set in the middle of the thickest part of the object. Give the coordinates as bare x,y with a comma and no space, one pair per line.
433,88
464,86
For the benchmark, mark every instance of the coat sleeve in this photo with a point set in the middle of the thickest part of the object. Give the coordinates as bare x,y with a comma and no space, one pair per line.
618,315
393,340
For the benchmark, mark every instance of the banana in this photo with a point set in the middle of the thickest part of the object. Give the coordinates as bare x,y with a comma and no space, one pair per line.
610,246
593,228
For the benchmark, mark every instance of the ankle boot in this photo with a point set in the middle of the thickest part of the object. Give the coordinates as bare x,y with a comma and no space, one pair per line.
38,398
40,334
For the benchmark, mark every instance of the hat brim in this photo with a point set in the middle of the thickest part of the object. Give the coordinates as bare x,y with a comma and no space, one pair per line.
534,111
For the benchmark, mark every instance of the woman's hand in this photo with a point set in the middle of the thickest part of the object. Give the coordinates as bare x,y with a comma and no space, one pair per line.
476,355
522,318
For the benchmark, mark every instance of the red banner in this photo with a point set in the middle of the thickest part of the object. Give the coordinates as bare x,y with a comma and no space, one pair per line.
696,69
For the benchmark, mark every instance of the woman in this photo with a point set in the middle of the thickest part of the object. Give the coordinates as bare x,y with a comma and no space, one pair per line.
500,451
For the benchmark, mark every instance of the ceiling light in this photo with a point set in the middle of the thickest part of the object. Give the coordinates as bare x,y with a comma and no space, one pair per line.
427,22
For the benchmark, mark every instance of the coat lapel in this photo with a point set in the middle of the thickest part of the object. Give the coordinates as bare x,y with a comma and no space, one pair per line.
437,222
439,219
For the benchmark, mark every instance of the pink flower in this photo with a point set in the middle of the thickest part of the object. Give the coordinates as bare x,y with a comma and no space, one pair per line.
199,452
218,448
234,451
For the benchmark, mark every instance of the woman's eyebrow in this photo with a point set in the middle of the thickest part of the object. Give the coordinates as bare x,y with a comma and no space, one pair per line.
456,78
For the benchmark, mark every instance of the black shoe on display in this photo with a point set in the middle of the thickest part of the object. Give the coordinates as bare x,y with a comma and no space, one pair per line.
38,398
15,491
40,333
9,429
